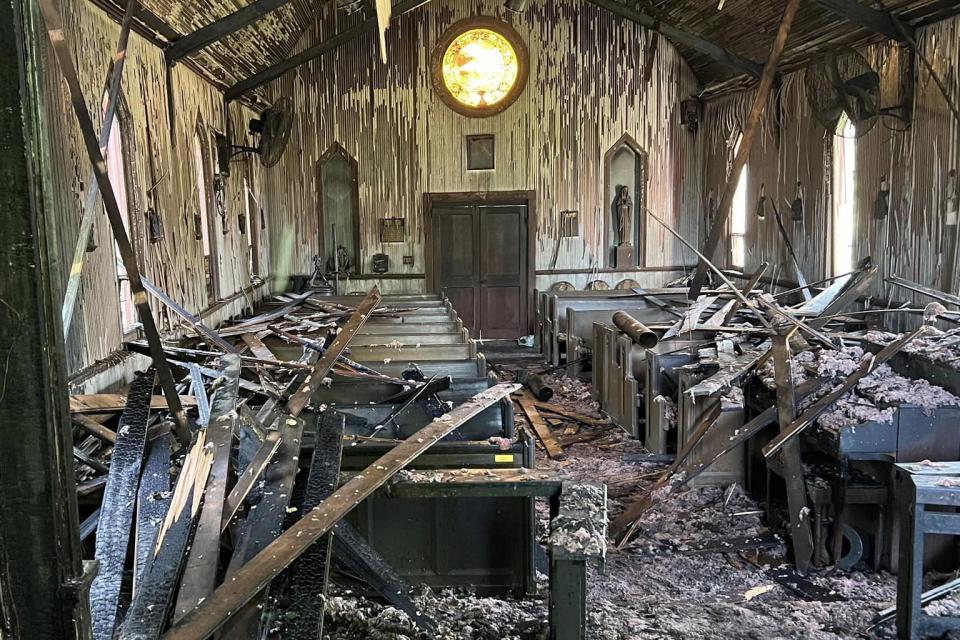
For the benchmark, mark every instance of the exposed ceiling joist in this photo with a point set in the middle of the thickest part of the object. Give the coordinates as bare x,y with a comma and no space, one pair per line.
684,38
867,17
221,28
272,73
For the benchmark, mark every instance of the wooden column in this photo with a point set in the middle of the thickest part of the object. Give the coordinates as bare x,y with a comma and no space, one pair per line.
42,590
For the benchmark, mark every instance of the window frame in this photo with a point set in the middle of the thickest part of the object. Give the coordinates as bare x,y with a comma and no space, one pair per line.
206,199
122,134
739,213
843,199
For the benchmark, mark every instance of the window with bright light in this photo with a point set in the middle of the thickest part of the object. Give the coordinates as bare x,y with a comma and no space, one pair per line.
480,66
738,217
117,171
204,188
844,193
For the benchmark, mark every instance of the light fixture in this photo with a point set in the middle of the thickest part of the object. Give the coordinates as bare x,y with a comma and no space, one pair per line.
882,206
762,204
516,6
480,67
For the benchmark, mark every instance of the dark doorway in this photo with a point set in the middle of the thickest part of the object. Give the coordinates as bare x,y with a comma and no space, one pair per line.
479,256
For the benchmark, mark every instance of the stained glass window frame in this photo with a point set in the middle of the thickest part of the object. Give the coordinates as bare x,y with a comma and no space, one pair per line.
451,35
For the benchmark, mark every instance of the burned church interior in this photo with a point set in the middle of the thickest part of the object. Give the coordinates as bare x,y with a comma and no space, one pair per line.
479,319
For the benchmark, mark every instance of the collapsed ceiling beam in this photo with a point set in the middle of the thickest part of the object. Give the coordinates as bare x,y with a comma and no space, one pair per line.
219,29
683,38
867,17
272,73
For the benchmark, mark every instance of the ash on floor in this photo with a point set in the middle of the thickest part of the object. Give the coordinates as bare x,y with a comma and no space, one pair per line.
660,586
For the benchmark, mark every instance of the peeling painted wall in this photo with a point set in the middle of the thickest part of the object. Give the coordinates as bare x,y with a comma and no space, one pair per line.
584,92
174,264
913,241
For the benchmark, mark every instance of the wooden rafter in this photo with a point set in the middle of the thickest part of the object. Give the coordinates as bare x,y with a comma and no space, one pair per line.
867,17
219,29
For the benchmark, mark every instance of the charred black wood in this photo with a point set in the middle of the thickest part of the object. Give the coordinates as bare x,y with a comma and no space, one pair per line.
116,514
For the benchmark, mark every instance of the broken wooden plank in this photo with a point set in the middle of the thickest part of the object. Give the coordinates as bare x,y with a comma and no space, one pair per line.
814,410
256,345
153,501
116,510
251,475
543,432
257,573
208,334
568,413
265,522
111,402
310,573
751,283
800,532
930,292
301,398
200,572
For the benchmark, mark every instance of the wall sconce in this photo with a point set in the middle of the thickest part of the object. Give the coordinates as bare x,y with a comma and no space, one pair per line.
882,206
516,6
762,203
797,205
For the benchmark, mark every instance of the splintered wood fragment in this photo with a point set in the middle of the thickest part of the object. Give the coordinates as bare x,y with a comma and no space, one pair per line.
112,402
301,398
251,475
257,347
147,614
528,404
800,533
737,304
257,573
200,572
814,410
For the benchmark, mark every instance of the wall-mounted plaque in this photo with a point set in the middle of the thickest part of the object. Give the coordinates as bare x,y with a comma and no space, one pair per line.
569,224
393,230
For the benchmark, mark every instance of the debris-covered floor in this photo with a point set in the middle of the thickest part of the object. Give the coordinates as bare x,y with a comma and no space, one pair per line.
662,585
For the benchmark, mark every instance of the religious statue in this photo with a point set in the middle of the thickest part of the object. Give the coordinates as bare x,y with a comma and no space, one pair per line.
623,210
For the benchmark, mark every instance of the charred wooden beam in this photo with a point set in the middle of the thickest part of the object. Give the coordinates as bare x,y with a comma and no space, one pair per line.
244,585
55,31
42,583
114,76
800,533
750,131
116,512
208,334
219,29
310,574
684,38
867,17
272,73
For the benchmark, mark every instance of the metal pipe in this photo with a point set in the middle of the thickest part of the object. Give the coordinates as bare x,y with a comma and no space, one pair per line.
638,332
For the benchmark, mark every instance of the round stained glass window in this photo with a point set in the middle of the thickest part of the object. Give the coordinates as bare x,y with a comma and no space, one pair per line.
480,67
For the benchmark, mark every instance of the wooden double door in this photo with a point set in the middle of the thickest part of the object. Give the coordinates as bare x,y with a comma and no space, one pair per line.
480,263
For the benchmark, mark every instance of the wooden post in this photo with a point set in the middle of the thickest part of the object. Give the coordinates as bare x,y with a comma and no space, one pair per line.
750,131
42,585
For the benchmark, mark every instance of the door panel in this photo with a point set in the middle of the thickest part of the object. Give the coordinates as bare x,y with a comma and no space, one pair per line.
500,304
480,258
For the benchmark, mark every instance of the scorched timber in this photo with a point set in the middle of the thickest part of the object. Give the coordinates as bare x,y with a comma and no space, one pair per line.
256,574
